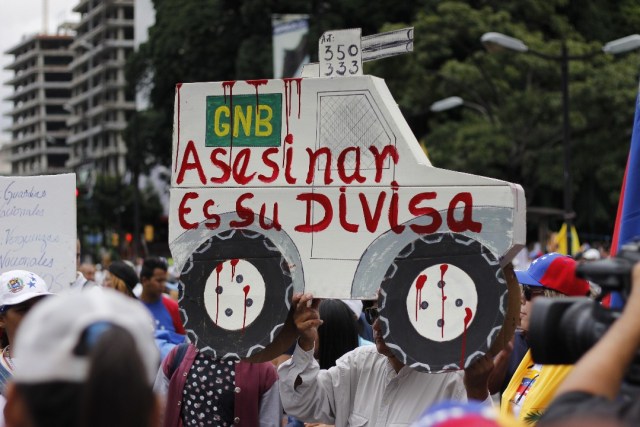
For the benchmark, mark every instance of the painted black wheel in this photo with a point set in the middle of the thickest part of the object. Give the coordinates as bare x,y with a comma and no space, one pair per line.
442,302
237,288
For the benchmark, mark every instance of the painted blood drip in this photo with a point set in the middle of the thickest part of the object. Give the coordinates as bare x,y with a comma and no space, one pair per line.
287,104
229,84
443,269
467,318
178,87
256,83
218,270
246,290
234,262
419,285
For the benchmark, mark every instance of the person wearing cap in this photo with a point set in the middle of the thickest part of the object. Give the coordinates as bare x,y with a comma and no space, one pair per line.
121,277
20,290
533,385
85,359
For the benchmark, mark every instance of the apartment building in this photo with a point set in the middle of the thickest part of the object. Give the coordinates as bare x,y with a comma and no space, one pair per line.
41,88
100,106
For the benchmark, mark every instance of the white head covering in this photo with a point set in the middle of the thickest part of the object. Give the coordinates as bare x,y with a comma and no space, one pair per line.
45,347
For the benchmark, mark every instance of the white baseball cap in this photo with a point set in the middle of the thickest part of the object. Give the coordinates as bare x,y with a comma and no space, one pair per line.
18,286
47,340
591,254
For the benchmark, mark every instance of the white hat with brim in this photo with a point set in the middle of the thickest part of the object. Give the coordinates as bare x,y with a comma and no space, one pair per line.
46,342
18,286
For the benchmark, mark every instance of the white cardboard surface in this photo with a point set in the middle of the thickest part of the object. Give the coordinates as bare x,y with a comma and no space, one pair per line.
351,118
38,233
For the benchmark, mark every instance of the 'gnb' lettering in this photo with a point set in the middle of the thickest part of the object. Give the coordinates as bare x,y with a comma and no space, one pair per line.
244,120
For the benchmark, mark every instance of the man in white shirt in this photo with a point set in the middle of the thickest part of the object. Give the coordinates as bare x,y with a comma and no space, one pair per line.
368,386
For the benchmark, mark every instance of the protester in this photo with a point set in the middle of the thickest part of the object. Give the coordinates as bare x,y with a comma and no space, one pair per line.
20,290
592,390
453,413
121,277
368,384
80,283
506,362
338,333
153,276
88,270
85,360
364,328
203,390
533,385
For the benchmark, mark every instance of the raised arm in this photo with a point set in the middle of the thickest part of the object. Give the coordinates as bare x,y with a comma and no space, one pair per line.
286,337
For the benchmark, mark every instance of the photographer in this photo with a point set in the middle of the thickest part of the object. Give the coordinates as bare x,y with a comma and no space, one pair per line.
592,389
532,386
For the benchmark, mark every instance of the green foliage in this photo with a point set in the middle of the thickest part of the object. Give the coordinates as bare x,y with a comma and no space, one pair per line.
515,131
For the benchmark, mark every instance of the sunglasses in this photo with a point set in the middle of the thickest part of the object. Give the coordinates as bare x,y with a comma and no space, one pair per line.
528,292
371,314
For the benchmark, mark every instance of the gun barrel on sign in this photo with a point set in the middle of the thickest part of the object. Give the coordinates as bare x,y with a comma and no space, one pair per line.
387,44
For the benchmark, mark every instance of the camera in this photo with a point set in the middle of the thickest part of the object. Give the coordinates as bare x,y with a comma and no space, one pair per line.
563,329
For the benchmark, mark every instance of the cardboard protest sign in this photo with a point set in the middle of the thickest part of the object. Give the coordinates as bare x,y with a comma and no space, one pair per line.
319,185
39,227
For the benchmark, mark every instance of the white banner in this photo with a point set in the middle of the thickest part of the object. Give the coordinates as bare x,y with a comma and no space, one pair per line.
38,227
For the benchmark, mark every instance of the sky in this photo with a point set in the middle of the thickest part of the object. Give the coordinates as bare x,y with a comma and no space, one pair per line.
20,18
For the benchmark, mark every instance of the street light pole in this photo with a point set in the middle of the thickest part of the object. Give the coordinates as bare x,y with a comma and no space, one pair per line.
495,40
566,140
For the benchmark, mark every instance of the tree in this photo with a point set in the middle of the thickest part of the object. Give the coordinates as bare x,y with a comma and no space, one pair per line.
516,137
519,138
216,40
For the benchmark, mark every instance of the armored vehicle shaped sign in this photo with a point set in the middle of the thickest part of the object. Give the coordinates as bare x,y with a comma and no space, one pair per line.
318,185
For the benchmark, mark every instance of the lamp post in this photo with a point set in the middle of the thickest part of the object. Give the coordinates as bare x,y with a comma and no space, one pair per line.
455,102
495,41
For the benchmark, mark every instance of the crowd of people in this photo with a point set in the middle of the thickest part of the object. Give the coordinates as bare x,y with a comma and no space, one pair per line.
113,351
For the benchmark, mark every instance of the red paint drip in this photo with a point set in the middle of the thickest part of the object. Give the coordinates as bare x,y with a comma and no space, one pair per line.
246,290
178,86
467,319
443,269
287,106
234,262
229,84
419,285
256,83
299,89
287,96
218,270
287,101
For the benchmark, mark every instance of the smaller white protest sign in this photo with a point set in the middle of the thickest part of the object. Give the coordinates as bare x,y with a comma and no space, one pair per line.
340,54
38,231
